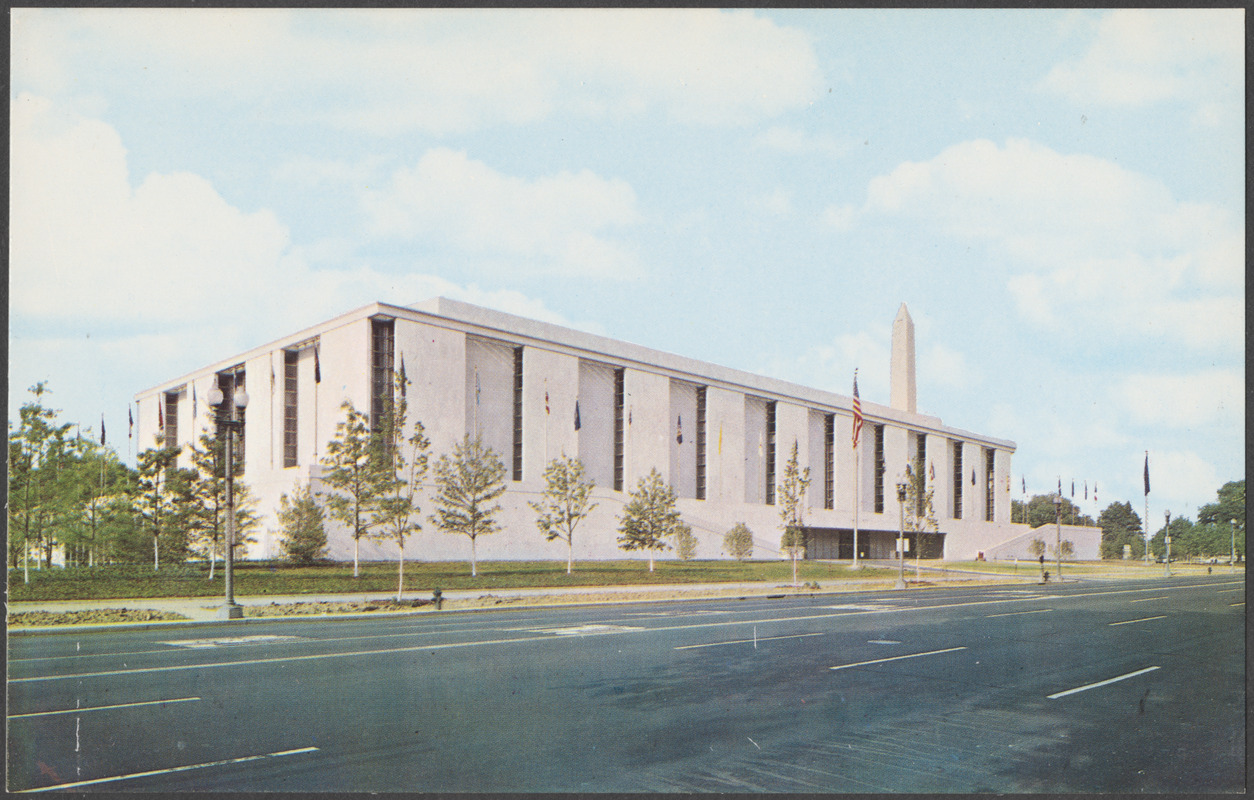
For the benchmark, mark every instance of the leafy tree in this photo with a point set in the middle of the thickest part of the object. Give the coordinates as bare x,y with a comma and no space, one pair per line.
1065,549
38,496
209,507
685,542
738,542
1037,547
468,481
164,500
401,451
355,477
792,490
920,517
1041,512
564,504
1230,506
301,520
1120,526
649,517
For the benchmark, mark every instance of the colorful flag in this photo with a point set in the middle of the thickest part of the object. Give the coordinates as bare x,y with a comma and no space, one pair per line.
476,386
1094,493
1073,487
972,476
679,430
577,414
857,411
102,430
1086,490
194,406
720,439
931,471
546,403
628,416
160,417
404,380
1060,486
130,423
1024,478
1147,472
317,366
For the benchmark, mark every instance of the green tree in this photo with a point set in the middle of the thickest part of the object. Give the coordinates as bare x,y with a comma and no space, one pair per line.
738,542
564,504
793,485
1037,547
38,492
401,451
355,477
208,512
649,517
1041,512
1066,550
1230,506
685,543
302,526
1120,526
468,481
920,515
163,493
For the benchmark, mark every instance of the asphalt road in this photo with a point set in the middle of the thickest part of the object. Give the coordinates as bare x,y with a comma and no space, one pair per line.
1130,686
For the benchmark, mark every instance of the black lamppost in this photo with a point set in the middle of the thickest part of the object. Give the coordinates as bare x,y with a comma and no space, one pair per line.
226,419
1058,533
1167,541
901,536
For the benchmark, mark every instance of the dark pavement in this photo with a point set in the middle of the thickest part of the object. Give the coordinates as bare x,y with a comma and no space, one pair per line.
1130,686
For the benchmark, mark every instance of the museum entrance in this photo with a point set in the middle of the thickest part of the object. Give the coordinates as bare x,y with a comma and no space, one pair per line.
836,544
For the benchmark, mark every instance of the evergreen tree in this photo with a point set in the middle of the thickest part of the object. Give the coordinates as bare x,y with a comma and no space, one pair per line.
685,543
738,542
649,517
564,503
467,482
301,522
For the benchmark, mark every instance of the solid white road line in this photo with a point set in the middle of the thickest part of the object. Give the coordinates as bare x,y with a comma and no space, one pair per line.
1016,613
1086,687
1142,619
103,708
1147,599
746,641
898,658
1230,605
170,770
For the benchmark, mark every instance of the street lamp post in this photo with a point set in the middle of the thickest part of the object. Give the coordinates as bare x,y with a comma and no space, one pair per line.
225,417
1232,562
1058,533
1167,541
901,535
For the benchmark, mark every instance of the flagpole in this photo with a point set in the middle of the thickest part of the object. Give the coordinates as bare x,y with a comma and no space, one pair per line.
857,467
1146,534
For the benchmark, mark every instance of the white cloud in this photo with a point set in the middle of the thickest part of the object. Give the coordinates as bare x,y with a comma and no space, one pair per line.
1139,57
1083,236
390,71
830,366
113,288
777,203
1209,399
553,223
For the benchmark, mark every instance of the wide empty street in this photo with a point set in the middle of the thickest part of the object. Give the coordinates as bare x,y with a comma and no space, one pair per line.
1129,686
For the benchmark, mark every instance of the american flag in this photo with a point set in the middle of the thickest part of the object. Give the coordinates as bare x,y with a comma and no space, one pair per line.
857,410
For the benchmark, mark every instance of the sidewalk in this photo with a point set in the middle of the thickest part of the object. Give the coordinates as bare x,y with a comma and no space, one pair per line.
205,609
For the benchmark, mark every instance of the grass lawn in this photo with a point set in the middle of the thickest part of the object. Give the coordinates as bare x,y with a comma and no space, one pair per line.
269,579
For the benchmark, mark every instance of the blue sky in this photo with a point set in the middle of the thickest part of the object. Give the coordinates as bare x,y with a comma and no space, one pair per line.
1058,196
